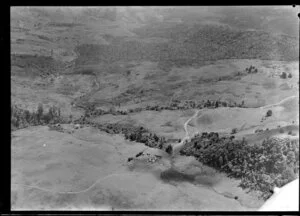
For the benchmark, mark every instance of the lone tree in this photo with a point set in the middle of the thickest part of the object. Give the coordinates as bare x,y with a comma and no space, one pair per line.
169,149
269,113
283,75
40,111
234,130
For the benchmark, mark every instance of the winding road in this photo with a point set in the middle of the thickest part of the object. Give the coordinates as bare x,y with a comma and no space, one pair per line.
179,146
276,104
74,192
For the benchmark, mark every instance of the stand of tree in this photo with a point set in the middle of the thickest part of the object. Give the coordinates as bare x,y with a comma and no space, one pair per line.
260,166
91,111
130,132
21,118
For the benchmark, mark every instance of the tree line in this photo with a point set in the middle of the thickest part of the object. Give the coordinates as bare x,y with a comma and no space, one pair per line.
91,111
130,132
21,118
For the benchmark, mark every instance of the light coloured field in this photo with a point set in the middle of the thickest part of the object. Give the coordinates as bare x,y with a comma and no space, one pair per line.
164,123
247,120
89,170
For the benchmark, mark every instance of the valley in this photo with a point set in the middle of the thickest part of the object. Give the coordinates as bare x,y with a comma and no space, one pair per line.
99,94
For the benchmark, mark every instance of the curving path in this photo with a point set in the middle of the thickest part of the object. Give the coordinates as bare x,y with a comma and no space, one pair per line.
74,192
276,104
179,146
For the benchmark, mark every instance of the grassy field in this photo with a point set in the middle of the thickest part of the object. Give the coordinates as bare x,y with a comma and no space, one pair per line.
165,123
53,162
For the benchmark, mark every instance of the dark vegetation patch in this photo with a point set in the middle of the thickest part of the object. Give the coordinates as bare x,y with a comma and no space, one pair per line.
67,89
61,24
85,72
21,118
43,37
260,166
91,111
284,75
204,119
174,78
206,43
167,124
176,176
130,132
284,87
44,65
269,85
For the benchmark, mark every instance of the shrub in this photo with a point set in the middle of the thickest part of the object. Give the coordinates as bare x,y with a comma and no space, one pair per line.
234,130
283,75
290,75
269,113
281,130
40,112
290,133
169,149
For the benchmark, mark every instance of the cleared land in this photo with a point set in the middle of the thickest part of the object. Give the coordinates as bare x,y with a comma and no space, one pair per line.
88,169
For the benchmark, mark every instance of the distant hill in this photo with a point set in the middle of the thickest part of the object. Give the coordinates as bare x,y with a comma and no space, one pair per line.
113,41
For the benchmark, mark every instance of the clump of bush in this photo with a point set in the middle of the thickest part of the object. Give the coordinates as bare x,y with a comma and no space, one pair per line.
269,113
56,127
142,135
130,132
251,69
91,111
234,131
258,131
260,167
21,118
169,149
283,75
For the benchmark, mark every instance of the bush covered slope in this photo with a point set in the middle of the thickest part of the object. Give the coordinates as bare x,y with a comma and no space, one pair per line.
274,162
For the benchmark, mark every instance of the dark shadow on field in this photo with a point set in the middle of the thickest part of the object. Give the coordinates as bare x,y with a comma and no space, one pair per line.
205,119
173,175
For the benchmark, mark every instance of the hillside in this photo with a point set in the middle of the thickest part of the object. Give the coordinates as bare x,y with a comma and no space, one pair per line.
109,92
